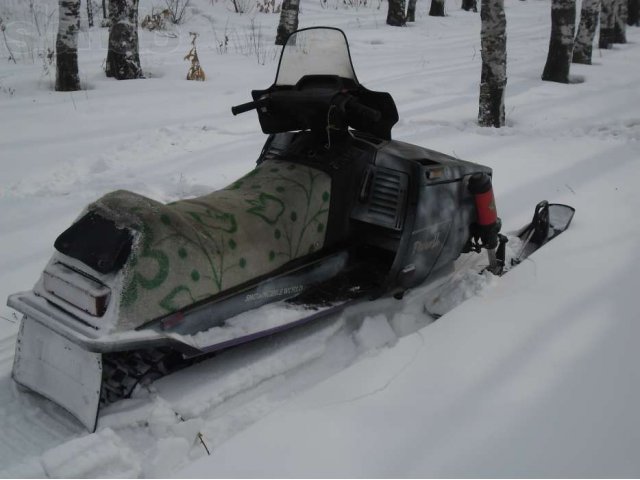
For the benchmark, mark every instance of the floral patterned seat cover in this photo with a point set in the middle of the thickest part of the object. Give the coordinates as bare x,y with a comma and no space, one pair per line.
187,251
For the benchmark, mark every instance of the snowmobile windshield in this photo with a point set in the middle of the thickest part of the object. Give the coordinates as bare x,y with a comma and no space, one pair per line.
315,51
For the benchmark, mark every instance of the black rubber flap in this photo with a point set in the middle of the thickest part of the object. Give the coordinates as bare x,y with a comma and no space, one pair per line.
96,242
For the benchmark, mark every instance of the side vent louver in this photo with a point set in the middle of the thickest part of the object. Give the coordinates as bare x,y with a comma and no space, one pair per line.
383,198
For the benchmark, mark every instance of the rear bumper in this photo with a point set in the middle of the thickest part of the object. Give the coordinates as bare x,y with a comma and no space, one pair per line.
85,336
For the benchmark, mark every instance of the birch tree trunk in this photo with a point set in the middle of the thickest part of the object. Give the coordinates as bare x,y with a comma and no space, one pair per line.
493,79
288,20
563,19
583,47
395,14
620,29
469,5
123,58
67,78
437,8
607,23
633,9
90,12
411,11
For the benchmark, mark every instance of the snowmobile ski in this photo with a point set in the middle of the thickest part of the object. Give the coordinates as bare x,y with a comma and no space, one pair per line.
549,221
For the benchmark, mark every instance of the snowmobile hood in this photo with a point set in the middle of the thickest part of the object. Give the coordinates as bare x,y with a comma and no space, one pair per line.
438,167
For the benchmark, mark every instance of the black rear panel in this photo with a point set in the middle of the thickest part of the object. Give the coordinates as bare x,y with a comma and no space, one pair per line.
96,242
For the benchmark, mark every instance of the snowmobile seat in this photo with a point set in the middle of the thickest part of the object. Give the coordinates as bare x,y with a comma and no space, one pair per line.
191,249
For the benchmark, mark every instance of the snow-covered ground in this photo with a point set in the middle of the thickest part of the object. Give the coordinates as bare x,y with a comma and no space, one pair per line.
535,376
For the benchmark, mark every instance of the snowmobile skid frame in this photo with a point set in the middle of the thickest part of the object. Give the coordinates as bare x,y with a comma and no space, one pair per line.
57,354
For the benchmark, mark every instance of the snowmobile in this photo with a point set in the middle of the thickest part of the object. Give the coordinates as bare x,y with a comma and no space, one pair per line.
335,212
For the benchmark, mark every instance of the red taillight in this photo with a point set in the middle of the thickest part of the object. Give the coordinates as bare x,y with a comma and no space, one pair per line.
488,223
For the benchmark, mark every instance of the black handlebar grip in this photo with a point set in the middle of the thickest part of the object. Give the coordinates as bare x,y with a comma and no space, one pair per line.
244,107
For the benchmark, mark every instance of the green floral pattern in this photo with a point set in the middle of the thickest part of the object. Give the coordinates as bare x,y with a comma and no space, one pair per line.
189,250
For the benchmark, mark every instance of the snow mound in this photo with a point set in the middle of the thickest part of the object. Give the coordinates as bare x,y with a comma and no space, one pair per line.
101,454
374,333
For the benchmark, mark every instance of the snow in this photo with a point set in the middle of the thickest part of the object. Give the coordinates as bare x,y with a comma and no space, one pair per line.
101,453
535,374
374,333
247,323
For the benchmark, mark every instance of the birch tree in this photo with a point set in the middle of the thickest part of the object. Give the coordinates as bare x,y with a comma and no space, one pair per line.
411,11
395,14
607,23
123,58
469,5
563,18
437,8
633,9
620,25
67,78
288,20
90,12
493,79
583,46
105,15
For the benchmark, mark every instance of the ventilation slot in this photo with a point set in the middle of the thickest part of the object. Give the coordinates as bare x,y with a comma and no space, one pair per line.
385,203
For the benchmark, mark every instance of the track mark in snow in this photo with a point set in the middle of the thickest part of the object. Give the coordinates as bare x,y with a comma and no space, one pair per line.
164,148
29,426
227,394
7,347
250,369
626,130
102,454
224,395
386,384
29,423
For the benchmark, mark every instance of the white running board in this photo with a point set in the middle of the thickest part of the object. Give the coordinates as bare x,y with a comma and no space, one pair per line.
59,370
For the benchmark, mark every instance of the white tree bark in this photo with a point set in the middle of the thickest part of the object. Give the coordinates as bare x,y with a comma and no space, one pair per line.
411,10
620,29
395,13
607,23
90,12
67,78
563,25
493,80
123,58
583,46
288,20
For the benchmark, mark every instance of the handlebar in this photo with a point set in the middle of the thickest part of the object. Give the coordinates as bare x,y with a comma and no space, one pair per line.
244,107
247,107
306,106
